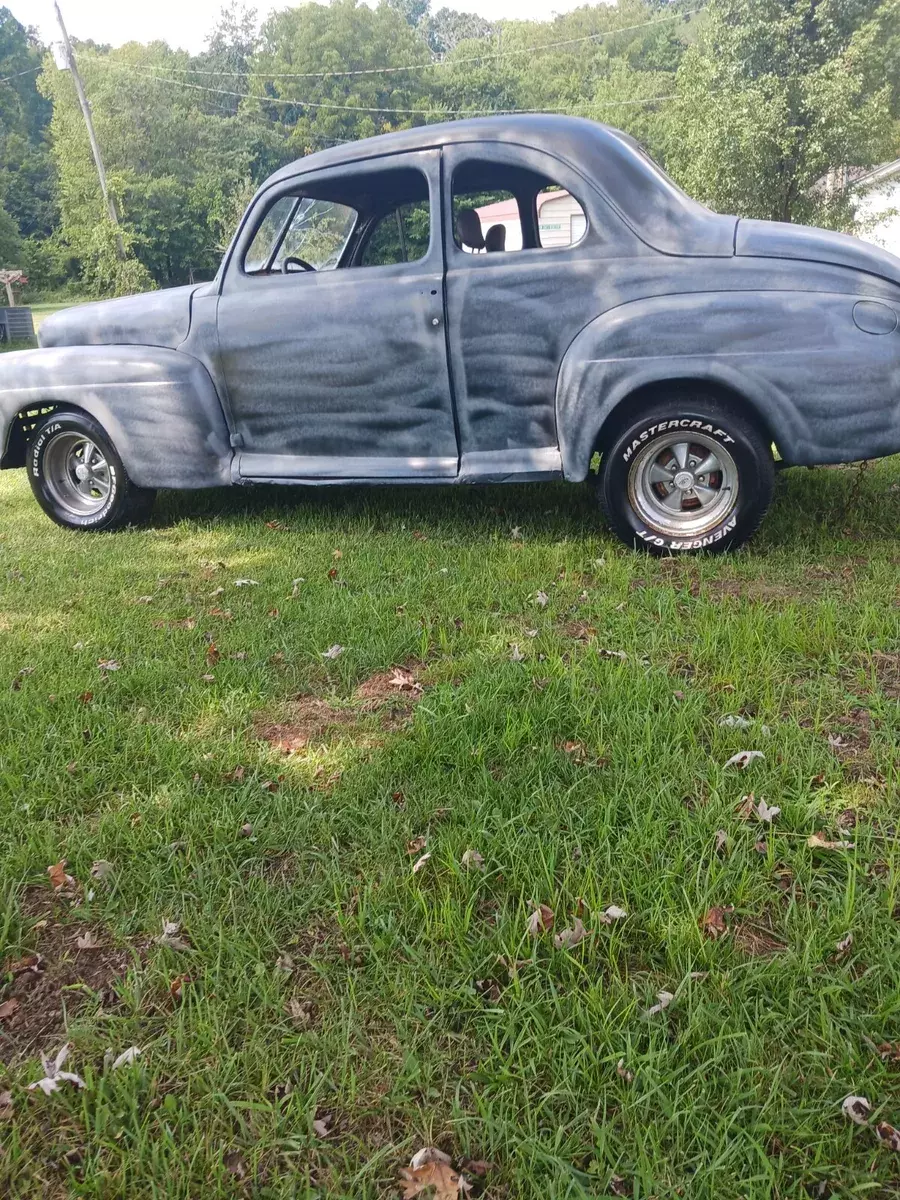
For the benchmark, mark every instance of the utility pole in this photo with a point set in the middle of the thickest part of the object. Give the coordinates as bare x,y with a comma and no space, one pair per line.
95,145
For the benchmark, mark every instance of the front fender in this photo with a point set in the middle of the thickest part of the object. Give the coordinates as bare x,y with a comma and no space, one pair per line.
159,407
826,390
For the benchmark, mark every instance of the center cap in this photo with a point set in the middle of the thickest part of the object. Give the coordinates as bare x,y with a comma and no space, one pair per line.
83,472
684,480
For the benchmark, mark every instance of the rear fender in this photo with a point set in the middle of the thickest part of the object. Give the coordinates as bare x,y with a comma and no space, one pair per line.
823,389
159,407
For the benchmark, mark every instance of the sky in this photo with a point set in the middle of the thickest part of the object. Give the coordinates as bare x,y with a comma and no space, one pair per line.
184,24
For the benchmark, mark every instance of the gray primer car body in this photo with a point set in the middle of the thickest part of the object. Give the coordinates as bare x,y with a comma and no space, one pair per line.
469,368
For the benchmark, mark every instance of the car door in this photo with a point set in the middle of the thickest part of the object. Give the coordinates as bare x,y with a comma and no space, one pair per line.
512,312
338,372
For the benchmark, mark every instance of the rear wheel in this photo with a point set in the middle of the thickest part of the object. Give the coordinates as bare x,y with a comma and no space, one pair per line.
686,474
78,478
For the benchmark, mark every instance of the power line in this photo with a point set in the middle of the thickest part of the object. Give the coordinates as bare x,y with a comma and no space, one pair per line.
407,112
445,62
18,74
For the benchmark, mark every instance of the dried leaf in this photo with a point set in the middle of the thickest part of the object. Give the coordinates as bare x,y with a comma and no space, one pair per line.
619,1186
619,654
888,1136
9,1008
857,1108
322,1127
665,999
58,877
437,1178
541,920
623,1072
420,863
235,1164
6,1106
743,759
766,813
721,841
107,664
542,599
169,936
284,962
417,844
734,722
472,858
126,1058
177,986
28,962
54,1074
207,678
567,938
300,1011
88,941
212,654
246,830
515,653
429,1154
333,651
713,922
843,946
101,870
818,841
246,583
613,913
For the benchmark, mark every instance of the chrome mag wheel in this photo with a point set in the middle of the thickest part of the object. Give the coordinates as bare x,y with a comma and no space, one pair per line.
683,487
76,473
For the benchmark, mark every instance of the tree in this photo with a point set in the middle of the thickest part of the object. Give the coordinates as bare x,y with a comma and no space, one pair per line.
10,242
445,29
26,177
777,98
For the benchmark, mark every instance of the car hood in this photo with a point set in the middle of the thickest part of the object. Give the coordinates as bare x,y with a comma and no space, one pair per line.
152,319
776,239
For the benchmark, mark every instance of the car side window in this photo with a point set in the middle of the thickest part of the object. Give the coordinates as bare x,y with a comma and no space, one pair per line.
502,208
299,233
399,236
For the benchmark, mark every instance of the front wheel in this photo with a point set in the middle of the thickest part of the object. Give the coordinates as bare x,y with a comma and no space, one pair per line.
687,474
78,478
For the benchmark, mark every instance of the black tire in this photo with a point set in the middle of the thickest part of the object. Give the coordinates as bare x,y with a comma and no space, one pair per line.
737,495
52,461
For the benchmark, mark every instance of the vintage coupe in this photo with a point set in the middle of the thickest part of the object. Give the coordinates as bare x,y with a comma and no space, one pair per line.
364,327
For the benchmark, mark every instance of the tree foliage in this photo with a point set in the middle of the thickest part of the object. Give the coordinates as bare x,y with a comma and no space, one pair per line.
759,107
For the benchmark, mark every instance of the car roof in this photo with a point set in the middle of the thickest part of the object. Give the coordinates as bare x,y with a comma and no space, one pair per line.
539,130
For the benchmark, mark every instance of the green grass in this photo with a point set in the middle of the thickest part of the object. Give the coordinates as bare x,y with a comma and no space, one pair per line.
416,1033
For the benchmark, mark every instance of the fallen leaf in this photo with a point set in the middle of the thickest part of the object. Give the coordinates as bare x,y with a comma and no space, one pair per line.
223,614
541,920
177,986
735,722
284,962
88,941
333,651
665,999
58,877
22,673
472,858
567,938
212,654
713,922
169,936
766,813
438,1178
219,591
101,870
515,653
54,1074
420,863
207,678
235,1164
619,1186
619,654
623,1072
126,1058
246,829
300,1011
246,583
721,841
743,759
9,1008
844,946
295,587
613,913
417,844
857,1108
322,1126
516,533
478,1166
542,599
888,1136
86,697
107,664
429,1154
818,841
28,962
6,1106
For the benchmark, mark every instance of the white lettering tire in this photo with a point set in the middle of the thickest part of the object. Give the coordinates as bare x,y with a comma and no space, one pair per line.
686,474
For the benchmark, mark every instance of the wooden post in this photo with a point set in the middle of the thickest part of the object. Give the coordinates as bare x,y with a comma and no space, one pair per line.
95,145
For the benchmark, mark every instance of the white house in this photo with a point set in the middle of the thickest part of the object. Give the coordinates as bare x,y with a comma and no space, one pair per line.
878,206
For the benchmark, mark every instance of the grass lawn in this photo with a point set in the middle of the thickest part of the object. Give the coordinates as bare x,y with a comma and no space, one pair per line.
325,1010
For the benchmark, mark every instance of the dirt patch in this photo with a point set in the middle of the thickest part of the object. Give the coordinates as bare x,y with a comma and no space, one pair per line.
579,631
887,672
851,742
757,591
310,720
41,987
757,940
